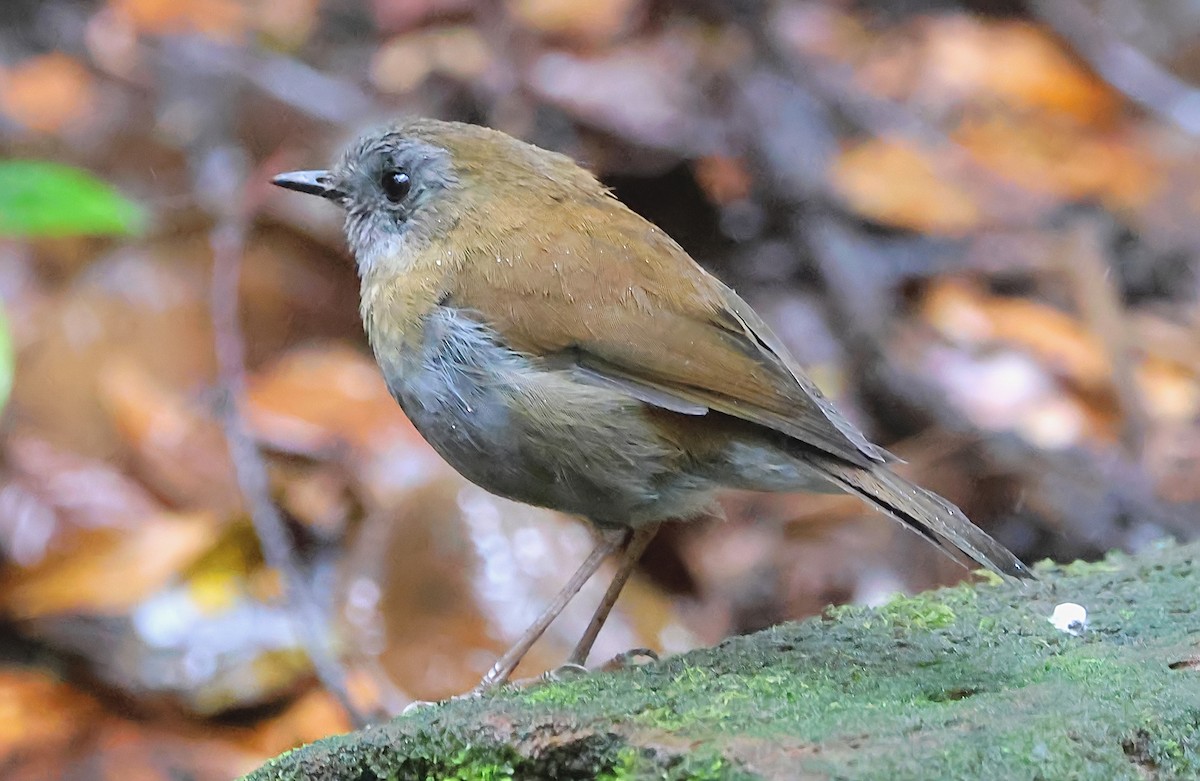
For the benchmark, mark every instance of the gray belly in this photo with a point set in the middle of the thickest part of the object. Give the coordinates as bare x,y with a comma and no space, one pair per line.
535,435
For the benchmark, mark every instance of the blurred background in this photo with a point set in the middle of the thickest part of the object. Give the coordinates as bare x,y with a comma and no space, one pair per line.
975,222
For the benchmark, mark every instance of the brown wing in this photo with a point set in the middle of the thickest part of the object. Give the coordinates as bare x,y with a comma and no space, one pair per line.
613,295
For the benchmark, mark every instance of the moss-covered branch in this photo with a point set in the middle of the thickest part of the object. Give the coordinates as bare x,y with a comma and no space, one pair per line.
968,682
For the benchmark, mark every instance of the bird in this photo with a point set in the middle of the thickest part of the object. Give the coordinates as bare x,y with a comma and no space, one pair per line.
560,350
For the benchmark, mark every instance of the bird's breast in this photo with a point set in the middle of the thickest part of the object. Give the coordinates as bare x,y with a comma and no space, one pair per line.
521,430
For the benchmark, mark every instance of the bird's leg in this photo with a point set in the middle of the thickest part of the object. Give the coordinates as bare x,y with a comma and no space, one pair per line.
633,550
513,656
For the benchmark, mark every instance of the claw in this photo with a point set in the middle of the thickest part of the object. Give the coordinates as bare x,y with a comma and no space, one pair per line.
630,659
417,705
564,672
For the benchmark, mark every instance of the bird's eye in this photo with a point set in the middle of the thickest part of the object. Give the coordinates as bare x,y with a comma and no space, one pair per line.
396,185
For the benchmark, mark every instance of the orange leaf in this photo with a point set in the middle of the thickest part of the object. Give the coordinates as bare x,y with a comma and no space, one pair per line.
180,450
724,179
40,712
897,184
1061,159
1019,63
593,22
223,19
114,571
47,93
403,63
1056,339
319,399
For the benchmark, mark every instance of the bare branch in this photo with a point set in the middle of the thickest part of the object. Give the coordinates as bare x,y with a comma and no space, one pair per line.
1123,66
228,240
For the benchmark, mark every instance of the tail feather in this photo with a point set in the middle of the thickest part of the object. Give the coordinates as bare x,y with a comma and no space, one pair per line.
927,514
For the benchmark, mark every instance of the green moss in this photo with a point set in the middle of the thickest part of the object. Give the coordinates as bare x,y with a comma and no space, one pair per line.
467,765
559,693
1169,748
962,683
917,613
625,768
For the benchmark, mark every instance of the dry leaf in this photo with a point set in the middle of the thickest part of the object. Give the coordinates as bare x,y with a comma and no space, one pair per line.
1056,339
221,19
51,495
1023,66
440,588
179,448
1047,156
109,571
724,179
137,306
320,400
403,63
1170,392
47,93
593,23
897,184
40,713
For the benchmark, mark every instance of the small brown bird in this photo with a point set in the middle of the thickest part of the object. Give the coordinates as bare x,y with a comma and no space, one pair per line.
560,350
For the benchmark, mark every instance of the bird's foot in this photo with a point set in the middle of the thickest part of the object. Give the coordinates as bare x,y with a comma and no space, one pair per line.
565,672
419,705
634,657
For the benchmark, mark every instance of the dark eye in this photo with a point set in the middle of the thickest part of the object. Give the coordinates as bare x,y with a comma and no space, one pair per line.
396,185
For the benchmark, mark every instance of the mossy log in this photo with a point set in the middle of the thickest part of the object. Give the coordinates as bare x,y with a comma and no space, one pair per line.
968,682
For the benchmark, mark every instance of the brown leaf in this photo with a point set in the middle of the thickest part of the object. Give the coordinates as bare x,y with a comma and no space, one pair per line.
1170,392
109,571
331,401
178,447
593,23
41,714
643,91
47,93
898,184
1044,155
724,179
1057,339
321,399
221,19
50,495
403,63
1023,65
132,306
439,589
135,751
51,730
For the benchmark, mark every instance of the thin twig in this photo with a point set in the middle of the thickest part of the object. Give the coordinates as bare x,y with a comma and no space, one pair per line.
1122,65
228,241
1089,272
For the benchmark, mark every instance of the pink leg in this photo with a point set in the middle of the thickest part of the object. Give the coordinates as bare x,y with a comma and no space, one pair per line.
508,662
633,550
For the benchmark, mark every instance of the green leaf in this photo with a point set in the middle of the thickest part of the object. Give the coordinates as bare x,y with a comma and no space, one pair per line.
49,199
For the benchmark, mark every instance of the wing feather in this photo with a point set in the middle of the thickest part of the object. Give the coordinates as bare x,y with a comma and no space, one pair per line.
613,295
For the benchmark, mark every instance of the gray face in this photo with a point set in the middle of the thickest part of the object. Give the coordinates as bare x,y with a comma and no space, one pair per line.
390,186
